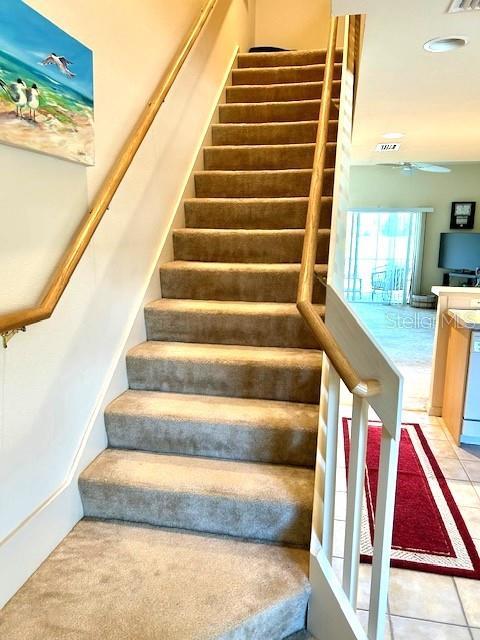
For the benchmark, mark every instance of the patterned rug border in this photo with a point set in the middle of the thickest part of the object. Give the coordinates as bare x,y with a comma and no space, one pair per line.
450,500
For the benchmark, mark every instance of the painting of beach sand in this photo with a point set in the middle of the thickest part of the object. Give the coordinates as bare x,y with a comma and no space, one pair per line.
46,86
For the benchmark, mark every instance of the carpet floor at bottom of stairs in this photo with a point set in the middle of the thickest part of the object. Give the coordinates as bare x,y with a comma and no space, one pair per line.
117,580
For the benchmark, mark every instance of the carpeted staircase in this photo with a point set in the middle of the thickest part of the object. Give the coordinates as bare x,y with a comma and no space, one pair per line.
214,442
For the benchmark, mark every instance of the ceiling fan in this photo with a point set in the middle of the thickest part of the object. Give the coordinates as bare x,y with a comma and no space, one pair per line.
411,167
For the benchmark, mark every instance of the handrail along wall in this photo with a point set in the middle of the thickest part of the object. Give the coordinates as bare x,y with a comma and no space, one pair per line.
18,320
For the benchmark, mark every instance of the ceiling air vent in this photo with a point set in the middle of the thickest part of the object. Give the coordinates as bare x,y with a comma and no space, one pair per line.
387,146
460,6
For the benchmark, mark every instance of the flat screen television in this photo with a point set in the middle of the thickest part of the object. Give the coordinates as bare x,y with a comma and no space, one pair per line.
459,251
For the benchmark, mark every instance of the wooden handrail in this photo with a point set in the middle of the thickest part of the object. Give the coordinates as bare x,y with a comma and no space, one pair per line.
66,266
327,342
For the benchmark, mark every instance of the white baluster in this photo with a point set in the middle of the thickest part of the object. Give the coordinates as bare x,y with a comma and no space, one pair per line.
387,480
356,477
330,453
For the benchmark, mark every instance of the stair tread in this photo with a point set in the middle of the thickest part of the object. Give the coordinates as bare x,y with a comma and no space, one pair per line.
280,357
222,306
253,58
266,147
251,481
150,570
250,412
256,267
245,233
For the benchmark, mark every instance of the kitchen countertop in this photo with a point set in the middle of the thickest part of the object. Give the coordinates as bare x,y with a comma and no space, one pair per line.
467,318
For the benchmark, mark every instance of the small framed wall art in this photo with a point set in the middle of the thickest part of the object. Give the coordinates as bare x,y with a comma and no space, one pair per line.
463,215
46,86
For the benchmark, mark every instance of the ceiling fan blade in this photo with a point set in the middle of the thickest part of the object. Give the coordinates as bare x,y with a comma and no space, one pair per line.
431,168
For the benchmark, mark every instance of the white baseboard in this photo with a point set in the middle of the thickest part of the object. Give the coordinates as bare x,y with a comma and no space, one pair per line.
24,548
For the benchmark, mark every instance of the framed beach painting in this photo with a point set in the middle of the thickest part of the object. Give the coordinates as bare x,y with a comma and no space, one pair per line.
46,86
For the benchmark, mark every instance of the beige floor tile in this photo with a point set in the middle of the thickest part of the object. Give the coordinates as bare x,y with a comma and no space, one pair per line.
475,634
442,449
476,486
426,596
364,581
341,504
469,591
472,469
338,538
468,452
341,479
471,516
412,629
363,616
452,469
434,432
464,493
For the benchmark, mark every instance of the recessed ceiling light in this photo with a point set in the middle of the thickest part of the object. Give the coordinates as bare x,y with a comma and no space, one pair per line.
441,45
393,135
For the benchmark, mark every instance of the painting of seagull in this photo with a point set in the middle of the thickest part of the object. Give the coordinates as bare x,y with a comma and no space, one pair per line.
33,101
17,92
61,62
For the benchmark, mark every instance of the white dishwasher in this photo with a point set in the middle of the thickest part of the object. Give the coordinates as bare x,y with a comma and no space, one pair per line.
471,411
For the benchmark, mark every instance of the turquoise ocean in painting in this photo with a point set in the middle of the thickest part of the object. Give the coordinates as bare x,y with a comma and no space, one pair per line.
64,125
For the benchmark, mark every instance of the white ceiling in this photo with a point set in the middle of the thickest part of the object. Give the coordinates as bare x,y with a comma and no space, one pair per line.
433,98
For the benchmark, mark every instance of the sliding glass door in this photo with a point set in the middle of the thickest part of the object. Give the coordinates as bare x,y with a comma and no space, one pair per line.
383,255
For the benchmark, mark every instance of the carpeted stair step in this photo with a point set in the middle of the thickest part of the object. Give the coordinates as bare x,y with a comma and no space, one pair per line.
278,92
265,133
252,213
261,324
250,246
229,428
282,75
240,499
270,112
284,58
258,157
258,184
235,281
266,373
124,581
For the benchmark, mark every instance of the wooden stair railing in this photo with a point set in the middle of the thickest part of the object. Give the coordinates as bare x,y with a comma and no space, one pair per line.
326,341
12,322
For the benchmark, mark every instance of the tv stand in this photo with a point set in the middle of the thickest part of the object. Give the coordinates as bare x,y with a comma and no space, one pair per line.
466,278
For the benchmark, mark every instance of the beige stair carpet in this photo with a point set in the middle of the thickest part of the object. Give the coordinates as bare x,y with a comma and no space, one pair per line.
203,500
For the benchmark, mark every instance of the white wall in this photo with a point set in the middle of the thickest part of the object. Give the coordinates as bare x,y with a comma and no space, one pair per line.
56,379
385,187
292,24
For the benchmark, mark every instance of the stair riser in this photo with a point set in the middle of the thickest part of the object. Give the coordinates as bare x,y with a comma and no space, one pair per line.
279,93
218,378
282,75
275,286
292,446
276,133
282,247
270,112
264,158
273,214
283,59
278,522
258,330
274,184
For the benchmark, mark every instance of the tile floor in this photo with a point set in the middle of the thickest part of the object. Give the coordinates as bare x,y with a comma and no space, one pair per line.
423,605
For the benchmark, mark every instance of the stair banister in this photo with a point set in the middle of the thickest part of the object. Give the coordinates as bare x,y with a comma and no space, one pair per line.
14,321
348,349
350,377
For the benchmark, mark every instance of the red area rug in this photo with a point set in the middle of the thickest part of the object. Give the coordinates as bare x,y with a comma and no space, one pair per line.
429,533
